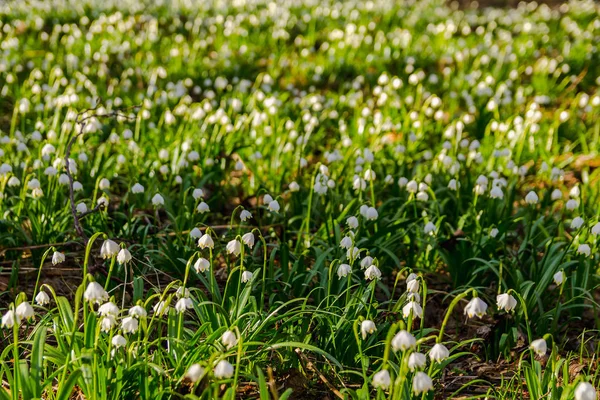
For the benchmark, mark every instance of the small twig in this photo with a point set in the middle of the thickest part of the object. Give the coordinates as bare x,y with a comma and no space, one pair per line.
307,364
95,209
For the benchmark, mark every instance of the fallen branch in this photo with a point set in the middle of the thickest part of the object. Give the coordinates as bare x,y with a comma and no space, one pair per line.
307,364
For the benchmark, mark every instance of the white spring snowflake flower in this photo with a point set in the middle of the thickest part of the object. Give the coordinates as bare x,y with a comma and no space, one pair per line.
476,307
95,293
367,327
506,302
403,341
439,353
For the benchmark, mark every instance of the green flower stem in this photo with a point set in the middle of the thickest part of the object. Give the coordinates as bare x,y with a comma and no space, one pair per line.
525,314
449,311
37,281
17,370
110,271
359,344
264,269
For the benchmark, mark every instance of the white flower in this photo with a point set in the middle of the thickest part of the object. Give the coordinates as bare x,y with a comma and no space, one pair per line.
366,262
403,340
416,360
58,258
539,346
479,190
494,232
109,249
476,307
95,293
344,270
129,324
412,186
161,308
577,222
184,303
158,200
48,149
572,204
108,308
370,175
234,247
24,311
412,286
585,391
137,188
9,319
421,383
37,193
584,249
453,184
559,277
197,194
201,265
137,312
367,327
372,273
119,341
246,276
107,323
124,256
182,292
531,198
496,193
229,339
294,187
274,206
81,208
63,179
411,277
482,180
223,370
104,184
267,199
430,228
438,353
245,215
346,242
596,229
353,253
414,307
556,194
33,184
194,373
196,233
352,222
506,302
206,242
575,191
203,208
248,239
372,214
42,298
422,196
381,380
363,210
413,297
